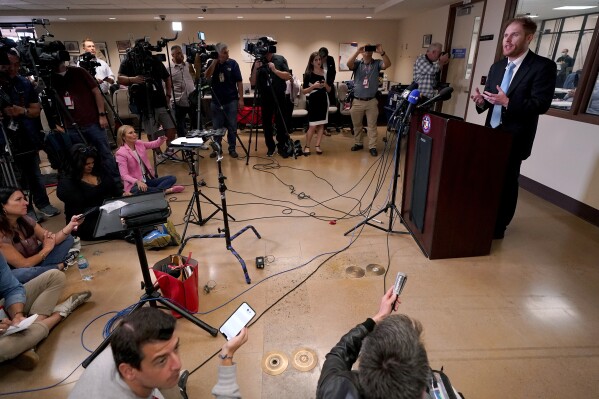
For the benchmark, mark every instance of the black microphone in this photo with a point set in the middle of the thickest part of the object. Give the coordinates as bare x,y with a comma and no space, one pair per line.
444,94
412,100
396,115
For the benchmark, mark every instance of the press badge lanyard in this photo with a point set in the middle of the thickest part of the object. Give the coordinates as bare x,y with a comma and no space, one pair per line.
68,101
368,69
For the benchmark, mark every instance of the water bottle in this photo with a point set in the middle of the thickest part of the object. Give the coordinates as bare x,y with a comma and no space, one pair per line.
84,269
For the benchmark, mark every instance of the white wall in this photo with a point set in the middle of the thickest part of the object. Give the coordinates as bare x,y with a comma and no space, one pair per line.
296,39
409,39
565,155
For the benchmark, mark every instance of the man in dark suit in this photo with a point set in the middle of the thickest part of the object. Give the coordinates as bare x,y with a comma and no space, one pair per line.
519,88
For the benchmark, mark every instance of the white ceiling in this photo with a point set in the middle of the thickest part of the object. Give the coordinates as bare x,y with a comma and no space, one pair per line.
218,10
186,10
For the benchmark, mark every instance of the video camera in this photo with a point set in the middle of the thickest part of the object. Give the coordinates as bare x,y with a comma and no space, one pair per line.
261,47
141,55
206,51
88,62
38,57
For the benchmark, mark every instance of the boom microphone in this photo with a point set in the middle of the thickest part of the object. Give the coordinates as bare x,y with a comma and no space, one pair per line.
444,94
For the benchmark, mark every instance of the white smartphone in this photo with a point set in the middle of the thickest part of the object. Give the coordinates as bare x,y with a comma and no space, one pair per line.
239,319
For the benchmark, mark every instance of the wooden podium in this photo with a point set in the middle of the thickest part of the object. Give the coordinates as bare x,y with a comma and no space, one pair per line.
452,182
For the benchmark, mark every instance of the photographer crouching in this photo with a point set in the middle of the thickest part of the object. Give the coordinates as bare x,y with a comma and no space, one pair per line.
269,75
144,74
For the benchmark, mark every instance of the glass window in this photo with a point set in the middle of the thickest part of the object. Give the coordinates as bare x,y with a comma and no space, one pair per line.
593,107
566,37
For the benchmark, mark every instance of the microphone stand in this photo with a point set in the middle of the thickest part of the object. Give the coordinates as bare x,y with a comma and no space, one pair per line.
391,207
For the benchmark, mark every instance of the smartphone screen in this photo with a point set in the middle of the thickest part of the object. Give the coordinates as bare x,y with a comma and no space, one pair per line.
201,36
239,319
369,48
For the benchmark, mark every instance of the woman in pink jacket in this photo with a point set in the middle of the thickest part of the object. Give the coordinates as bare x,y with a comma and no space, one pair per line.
134,165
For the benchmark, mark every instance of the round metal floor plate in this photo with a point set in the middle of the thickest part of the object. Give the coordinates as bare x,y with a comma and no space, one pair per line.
274,363
304,359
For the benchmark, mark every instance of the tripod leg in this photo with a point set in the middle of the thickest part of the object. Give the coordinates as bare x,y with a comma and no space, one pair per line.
244,230
241,143
164,301
242,262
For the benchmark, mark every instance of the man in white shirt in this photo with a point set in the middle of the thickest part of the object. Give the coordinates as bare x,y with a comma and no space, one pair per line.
182,76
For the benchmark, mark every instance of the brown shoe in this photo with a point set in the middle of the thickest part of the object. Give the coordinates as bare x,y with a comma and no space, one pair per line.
26,360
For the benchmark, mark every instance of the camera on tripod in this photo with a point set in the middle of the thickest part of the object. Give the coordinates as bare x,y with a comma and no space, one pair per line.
205,51
88,62
261,47
38,57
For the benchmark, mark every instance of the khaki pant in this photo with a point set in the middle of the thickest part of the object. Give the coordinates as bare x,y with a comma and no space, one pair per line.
42,295
369,108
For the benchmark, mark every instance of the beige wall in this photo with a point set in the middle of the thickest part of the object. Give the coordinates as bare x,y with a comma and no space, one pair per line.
409,40
296,39
565,155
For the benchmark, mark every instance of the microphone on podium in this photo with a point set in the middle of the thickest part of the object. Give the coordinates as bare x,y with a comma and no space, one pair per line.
444,94
412,101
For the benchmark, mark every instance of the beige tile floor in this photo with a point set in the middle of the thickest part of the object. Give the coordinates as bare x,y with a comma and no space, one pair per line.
521,322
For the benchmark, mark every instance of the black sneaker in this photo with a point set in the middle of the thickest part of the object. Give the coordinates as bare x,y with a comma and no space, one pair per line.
357,147
233,154
373,152
270,153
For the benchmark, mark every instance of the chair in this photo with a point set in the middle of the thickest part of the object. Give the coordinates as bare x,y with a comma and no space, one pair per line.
120,101
300,111
344,113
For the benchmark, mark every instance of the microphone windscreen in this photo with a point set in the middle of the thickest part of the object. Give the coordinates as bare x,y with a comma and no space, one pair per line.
414,97
412,86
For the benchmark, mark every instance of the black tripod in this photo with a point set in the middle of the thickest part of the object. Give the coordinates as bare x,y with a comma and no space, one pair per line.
225,232
151,295
391,207
193,213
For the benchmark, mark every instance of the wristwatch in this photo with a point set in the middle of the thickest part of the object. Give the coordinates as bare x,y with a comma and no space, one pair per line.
102,113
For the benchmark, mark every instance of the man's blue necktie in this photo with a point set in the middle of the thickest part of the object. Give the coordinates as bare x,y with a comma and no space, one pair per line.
505,84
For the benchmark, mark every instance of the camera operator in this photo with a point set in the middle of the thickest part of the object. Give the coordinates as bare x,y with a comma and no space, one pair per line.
427,69
366,83
104,75
82,109
21,122
227,95
182,74
145,75
269,75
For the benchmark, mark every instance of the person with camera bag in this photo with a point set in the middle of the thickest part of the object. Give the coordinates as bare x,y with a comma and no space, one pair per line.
366,84
144,74
269,75
22,125
227,95
427,69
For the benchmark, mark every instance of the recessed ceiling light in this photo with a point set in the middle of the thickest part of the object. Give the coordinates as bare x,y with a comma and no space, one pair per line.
328,16
369,17
156,17
574,7
287,17
62,18
531,15
200,17
112,18
239,17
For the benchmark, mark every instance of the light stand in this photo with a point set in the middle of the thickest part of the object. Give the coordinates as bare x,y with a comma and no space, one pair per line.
193,213
223,233
151,294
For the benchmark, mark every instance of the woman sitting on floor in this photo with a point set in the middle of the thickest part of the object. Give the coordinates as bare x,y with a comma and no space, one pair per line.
30,249
134,165
85,187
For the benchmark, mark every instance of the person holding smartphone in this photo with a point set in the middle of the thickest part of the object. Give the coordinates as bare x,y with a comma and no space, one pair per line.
366,83
392,358
316,89
143,359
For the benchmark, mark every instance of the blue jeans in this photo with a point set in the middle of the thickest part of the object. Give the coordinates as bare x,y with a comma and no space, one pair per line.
225,117
56,256
96,136
156,185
